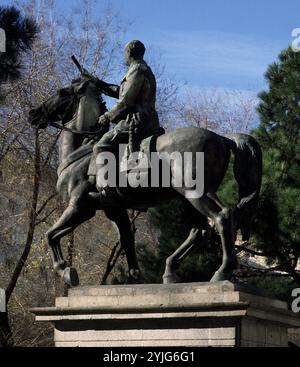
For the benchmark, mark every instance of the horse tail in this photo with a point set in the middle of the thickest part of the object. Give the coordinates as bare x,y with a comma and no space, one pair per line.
247,169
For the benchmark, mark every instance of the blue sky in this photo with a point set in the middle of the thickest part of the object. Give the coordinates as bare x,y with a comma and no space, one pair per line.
210,43
214,43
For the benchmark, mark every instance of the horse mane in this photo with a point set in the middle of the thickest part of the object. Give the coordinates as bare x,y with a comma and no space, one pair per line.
71,95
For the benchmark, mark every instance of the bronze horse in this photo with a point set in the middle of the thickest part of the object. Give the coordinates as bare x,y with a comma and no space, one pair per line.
78,107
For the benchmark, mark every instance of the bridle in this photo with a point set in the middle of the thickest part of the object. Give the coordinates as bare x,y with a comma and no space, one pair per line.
65,128
83,132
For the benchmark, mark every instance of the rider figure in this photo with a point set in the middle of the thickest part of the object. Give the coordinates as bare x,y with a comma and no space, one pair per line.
136,103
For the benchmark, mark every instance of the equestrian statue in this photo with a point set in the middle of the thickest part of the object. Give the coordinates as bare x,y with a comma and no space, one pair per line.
81,114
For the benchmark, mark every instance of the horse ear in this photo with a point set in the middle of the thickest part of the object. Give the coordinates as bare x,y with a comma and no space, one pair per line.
78,88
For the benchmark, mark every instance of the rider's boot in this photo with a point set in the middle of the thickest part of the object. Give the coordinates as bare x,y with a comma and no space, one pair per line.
104,191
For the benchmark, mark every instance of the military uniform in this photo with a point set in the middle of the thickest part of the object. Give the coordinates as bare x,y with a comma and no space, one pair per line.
137,95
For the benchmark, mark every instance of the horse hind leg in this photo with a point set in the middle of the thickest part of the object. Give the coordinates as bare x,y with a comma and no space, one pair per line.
222,218
173,261
71,218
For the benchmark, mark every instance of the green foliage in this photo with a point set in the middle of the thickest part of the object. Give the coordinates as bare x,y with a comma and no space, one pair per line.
277,228
279,287
279,112
20,33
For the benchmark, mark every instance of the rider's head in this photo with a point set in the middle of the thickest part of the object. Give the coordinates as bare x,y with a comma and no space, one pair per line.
134,50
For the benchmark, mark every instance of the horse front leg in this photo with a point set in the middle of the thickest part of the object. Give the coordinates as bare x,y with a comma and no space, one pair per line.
71,218
122,221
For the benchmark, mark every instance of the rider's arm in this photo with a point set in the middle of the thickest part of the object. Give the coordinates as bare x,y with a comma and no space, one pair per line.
130,93
110,90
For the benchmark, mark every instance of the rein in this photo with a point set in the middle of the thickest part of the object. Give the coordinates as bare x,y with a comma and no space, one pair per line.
65,128
83,132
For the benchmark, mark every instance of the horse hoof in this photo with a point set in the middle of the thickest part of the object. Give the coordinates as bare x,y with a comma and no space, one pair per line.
216,277
134,277
70,277
220,276
169,279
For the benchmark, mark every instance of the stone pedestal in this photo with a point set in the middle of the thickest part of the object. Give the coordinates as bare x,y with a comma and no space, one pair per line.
193,314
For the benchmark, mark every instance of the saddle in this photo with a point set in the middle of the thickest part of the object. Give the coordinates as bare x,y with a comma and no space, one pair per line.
138,152
131,163
146,147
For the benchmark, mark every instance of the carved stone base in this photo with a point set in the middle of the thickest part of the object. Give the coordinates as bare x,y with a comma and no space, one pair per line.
193,314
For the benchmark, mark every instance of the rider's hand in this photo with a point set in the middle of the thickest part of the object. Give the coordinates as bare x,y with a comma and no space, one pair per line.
104,120
98,83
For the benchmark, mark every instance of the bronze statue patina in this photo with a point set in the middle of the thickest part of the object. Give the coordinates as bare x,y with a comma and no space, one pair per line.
79,106
136,104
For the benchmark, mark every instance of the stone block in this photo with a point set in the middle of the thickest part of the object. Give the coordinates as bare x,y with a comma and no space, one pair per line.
191,314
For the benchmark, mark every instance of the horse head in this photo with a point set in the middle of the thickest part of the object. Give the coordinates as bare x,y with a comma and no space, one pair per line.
64,104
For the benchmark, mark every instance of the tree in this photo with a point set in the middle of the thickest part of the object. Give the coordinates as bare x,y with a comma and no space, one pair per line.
29,161
278,235
20,32
222,111
29,158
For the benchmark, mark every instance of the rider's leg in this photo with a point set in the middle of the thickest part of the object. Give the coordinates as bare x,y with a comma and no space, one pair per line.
97,149
109,142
